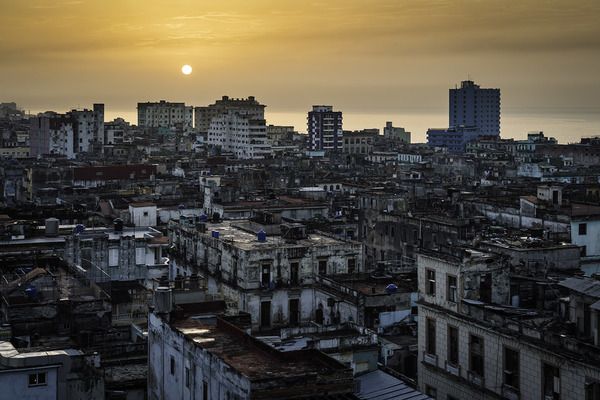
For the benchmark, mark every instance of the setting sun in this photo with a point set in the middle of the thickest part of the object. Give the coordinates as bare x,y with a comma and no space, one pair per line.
186,69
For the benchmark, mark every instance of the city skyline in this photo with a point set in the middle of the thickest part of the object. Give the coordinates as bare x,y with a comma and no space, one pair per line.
385,58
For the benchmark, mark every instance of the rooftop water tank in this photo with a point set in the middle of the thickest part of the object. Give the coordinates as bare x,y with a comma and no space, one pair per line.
118,225
31,292
262,236
79,228
51,227
391,288
203,218
215,234
181,206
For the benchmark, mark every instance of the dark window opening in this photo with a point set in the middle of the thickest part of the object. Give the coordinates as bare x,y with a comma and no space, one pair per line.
511,367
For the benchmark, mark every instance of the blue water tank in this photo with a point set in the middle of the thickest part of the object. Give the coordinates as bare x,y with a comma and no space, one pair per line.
79,228
262,236
31,292
203,218
181,206
215,234
391,288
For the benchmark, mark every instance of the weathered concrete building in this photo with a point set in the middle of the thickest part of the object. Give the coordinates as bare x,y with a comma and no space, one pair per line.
43,374
121,254
210,358
477,341
265,270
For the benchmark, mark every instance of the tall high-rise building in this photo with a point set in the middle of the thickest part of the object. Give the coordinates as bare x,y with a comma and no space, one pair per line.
165,114
237,126
204,115
78,131
471,106
325,129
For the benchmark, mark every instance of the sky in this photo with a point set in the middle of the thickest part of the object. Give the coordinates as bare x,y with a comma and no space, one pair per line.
364,57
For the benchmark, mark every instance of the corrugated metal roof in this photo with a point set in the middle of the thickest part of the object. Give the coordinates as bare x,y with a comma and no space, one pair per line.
378,385
588,286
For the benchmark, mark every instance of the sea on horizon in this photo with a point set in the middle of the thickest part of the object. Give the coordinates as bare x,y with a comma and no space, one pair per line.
566,127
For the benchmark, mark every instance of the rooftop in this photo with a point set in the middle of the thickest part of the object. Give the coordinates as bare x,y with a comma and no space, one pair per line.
251,357
245,240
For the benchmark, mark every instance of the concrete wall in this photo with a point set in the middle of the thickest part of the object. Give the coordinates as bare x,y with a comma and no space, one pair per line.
15,384
572,375
223,383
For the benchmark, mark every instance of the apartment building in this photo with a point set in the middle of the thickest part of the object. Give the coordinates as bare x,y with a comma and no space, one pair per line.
486,333
250,107
77,131
324,129
473,106
165,114
265,270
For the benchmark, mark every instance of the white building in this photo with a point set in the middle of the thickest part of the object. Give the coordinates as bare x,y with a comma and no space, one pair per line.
472,106
165,114
207,357
44,375
240,133
585,231
271,277
143,214
67,134
205,115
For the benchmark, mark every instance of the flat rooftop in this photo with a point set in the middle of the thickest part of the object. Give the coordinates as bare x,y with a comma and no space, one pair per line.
250,356
242,239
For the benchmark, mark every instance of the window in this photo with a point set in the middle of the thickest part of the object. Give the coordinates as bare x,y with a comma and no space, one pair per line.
430,336
592,389
187,377
476,354
265,313
294,272
351,265
323,267
172,365
431,392
451,288
140,255
38,379
430,282
511,367
453,345
551,382
204,390
113,257
265,273
583,228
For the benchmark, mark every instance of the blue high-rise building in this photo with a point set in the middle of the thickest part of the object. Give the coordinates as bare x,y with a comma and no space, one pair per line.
471,106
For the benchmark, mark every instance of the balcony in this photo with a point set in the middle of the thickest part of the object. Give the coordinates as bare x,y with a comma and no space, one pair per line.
509,392
430,359
453,369
476,379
